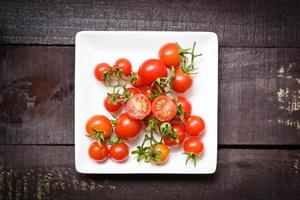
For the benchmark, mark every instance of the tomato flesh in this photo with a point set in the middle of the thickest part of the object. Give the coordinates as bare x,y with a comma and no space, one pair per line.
138,106
163,108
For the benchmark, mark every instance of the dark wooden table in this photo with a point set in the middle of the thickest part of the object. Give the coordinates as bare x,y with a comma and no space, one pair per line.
259,98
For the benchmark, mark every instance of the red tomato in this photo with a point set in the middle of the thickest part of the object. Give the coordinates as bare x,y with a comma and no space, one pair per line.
186,106
182,81
179,133
138,82
170,55
193,145
100,70
100,124
98,151
110,106
146,91
195,126
126,127
163,153
138,106
119,152
124,65
152,69
132,90
163,108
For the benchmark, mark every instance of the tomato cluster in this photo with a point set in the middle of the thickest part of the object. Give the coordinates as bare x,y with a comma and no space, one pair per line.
150,100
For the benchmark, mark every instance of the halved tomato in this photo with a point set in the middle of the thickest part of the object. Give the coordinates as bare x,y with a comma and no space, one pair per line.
138,107
163,108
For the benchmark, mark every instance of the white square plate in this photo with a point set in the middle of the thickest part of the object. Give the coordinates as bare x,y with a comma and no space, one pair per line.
93,47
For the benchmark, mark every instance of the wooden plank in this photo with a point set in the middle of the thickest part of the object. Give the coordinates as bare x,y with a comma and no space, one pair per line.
37,95
47,172
259,97
237,23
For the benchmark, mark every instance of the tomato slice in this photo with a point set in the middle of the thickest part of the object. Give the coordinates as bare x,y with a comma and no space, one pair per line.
138,106
163,108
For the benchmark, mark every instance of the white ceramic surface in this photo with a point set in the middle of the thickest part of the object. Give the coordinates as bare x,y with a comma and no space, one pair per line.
93,47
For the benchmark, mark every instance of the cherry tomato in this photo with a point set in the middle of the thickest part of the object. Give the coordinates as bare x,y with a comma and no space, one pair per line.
186,106
163,153
193,145
126,127
138,82
100,69
195,126
138,106
178,123
146,91
98,151
179,133
152,69
124,65
110,106
119,152
132,90
181,82
170,55
99,123
163,108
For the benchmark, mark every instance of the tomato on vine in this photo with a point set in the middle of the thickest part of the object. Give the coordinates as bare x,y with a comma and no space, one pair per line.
98,127
100,70
169,53
133,91
98,151
146,90
119,152
152,69
182,81
184,108
138,82
193,148
112,103
124,65
176,137
161,154
126,127
195,126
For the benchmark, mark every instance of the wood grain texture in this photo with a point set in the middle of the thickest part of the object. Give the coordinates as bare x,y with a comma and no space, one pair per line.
36,95
259,96
47,172
238,23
